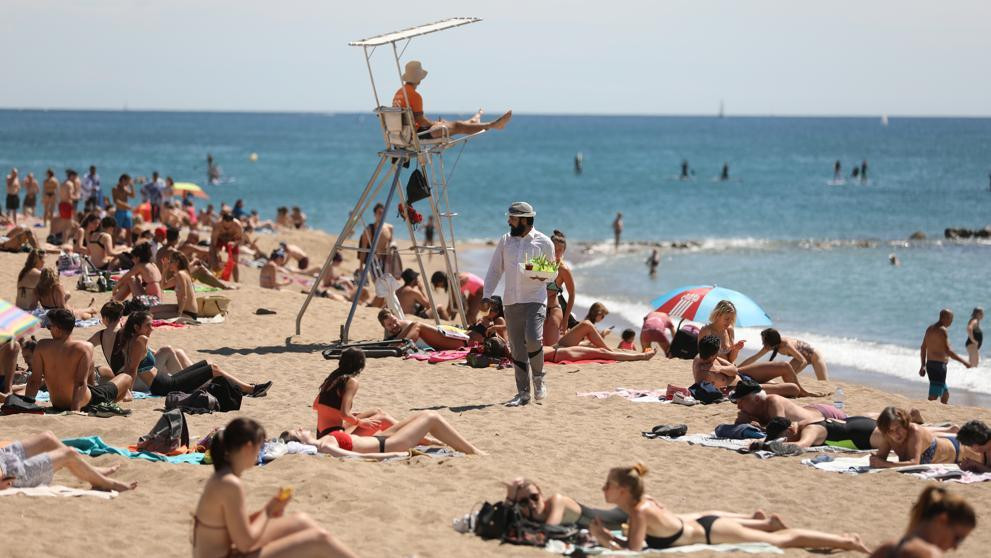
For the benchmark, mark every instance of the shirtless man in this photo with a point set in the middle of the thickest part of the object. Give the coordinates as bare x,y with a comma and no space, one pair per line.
756,405
13,195
31,190
407,96
282,218
227,230
64,364
710,367
936,354
64,195
413,301
268,278
298,218
207,217
165,251
297,254
122,194
385,238
77,190
417,331
48,201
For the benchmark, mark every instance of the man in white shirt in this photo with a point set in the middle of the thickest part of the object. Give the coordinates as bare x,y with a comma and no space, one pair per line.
524,299
92,193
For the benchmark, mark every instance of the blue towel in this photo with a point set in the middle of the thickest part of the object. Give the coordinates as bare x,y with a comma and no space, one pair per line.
43,396
94,446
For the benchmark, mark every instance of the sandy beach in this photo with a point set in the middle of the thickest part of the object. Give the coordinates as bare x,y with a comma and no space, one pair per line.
566,444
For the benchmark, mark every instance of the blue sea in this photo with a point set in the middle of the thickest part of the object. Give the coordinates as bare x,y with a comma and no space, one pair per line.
812,251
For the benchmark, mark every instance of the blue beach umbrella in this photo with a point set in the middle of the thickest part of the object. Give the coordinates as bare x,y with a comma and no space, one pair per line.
696,302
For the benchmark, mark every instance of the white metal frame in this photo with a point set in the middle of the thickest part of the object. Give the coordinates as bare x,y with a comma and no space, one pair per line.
402,146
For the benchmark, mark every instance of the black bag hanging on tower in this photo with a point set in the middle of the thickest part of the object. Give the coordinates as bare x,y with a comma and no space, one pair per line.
417,187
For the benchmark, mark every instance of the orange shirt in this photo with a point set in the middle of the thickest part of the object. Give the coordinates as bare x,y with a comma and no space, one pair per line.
415,101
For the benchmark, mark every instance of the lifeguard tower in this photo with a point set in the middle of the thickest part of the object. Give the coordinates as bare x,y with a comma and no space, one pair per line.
403,148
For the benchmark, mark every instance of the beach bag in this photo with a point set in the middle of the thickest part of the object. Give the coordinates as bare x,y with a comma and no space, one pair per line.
213,305
706,392
168,434
685,343
494,520
15,405
417,187
194,403
228,394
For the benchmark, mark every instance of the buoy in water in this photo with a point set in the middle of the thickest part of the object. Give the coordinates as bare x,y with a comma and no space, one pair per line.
253,157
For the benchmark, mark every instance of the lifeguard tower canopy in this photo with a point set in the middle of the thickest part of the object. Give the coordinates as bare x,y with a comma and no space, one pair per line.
417,31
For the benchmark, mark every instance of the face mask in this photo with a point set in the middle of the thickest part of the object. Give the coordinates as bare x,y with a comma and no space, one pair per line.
518,230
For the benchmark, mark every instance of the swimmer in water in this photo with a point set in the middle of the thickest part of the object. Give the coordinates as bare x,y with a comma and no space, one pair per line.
724,175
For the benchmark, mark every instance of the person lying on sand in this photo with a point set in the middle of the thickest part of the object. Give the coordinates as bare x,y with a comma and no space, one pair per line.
939,522
393,442
222,525
913,444
855,432
139,363
334,402
558,509
417,331
580,352
709,367
64,364
756,405
407,96
976,436
17,239
802,354
32,461
653,526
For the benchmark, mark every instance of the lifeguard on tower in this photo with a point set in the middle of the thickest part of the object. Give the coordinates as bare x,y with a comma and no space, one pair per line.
410,137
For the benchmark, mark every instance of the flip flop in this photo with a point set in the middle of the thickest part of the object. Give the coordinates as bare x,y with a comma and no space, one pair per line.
264,311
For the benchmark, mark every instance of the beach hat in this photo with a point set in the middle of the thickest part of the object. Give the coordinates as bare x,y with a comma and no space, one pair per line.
414,72
160,233
743,389
521,209
409,275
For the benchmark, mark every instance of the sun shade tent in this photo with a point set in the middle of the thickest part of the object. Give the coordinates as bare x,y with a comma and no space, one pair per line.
402,146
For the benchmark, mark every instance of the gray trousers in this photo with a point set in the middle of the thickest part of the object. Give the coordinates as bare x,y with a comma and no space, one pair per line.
525,325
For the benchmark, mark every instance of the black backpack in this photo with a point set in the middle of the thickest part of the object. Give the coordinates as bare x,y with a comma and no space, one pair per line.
685,344
16,404
228,394
168,434
417,187
706,392
495,520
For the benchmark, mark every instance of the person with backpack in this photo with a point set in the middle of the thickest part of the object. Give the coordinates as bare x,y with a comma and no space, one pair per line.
222,525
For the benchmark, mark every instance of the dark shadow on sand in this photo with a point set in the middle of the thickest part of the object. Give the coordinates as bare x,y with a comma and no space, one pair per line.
460,409
288,347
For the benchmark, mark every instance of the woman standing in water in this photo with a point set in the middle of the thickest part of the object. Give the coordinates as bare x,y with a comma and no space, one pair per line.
975,337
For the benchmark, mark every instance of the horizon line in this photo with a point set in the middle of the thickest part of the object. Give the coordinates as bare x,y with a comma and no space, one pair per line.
515,113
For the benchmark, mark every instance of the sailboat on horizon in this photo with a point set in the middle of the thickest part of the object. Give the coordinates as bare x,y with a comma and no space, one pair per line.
722,114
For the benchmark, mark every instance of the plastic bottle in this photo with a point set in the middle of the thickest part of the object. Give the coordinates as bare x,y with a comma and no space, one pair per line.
838,402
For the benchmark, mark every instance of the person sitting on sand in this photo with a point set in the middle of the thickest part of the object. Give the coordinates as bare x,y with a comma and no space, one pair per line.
939,521
344,287
585,331
756,405
139,362
268,277
976,437
559,309
222,525
656,327
144,279
33,461
913,444
470,290
297,217
802,354
491,323
413,301
64,364
18,239
653,526
334,402
185,294
394,442
27,280
52,295
436,338
407,96
10,350
721,321
100,243
709,367
626,340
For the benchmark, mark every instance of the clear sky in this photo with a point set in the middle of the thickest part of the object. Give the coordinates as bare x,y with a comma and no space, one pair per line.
784,57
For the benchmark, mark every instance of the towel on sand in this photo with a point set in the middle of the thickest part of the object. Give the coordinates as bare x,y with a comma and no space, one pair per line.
58,490
711,441
43,396
585,361
94,446
947,472
559,547
433,357
633,394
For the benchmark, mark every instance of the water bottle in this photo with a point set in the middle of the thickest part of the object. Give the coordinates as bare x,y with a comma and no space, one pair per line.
838,403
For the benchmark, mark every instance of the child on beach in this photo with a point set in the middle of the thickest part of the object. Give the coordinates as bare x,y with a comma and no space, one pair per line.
802,354
626,341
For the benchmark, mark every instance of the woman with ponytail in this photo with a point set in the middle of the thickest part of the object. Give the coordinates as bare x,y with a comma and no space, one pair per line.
222,526
939,521
654,526
333,403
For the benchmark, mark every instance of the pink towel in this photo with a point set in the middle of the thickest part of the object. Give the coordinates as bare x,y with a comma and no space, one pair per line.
434,357
588,361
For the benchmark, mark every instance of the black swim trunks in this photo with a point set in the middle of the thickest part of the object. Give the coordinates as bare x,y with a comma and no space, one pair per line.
936,371
13,201
106,393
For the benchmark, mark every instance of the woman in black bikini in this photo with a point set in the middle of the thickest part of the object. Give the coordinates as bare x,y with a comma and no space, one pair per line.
654,526
222,525
975,337
558,319
939,521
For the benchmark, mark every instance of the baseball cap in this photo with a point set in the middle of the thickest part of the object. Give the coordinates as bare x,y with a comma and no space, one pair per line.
743,389
521,209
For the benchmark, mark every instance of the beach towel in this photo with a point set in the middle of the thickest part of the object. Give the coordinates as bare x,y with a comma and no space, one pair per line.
59,490
560,547
433,357
167,323
743,446
92,322
633,394
586,361
94,446
950,473
43,396
218,319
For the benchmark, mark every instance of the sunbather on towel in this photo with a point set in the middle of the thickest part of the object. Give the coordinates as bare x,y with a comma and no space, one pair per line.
708,366
976,437
939,521
756,405
64,365
653,526
222,525
418,331
853,433
33,461
337,392
580,352
403,436
913,444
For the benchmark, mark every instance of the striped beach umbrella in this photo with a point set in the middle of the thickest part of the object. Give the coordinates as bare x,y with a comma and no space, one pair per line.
696,302
193,189
15,322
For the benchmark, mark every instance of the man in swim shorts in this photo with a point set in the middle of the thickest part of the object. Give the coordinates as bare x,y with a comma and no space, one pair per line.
935,354
655,326
33,461
121,194
13,195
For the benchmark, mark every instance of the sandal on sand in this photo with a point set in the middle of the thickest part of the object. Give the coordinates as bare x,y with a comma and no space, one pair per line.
106,410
